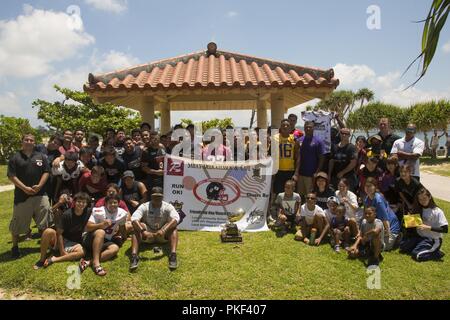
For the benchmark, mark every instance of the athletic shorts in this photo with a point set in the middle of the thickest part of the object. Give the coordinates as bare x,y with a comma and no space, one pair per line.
36,208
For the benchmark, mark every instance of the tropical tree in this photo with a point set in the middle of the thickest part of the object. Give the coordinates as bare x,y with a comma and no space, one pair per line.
367,117
213,123
78,110
434,22
11,131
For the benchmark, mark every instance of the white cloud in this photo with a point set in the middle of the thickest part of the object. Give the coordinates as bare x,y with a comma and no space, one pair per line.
388,88
232,14
114,6
350,75
113,60
9,104
34,40
446,47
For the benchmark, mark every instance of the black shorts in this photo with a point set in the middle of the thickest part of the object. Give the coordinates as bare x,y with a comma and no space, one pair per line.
88,239
280,179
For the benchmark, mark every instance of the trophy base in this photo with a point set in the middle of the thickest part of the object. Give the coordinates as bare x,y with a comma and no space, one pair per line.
230,238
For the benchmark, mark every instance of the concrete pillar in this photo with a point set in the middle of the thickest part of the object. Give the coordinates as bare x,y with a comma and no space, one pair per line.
276,109
165,117
147,110
261,114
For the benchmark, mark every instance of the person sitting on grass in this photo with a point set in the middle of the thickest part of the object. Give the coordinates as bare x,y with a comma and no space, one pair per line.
322,189
428,241
340,228
383,212
67,236
105,234
370,241
155,222
312,222
288,204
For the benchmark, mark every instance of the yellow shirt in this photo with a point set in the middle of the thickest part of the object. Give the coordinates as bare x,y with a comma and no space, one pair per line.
286,151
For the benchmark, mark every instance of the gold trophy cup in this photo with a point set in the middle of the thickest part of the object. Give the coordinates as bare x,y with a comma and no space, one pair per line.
230,232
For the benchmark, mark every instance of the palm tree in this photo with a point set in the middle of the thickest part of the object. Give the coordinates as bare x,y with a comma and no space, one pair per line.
434,22
364,94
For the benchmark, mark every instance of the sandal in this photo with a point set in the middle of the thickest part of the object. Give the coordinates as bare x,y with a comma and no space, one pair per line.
38,265
48,262
84,264
99,270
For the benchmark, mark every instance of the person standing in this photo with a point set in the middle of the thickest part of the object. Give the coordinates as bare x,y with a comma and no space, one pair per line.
409,149
28,170
312,158
152,160
388,138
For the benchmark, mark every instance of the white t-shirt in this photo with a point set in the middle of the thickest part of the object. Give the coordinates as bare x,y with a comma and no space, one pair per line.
414,145
118,219
329,215
353,199
309,215
434,218
155,218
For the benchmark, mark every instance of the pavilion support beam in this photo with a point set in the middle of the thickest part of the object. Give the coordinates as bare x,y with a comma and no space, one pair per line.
147,110
261,114
276,109
165,117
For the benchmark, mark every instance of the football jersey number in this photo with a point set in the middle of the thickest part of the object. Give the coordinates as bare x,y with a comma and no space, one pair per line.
285,150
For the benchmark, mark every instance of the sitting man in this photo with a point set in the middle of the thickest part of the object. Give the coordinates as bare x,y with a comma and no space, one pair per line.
312,222
155,222
105,234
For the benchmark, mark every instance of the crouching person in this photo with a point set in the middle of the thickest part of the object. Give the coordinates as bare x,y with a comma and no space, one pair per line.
370,241
313,223
427,243
105,234
155,222
67,237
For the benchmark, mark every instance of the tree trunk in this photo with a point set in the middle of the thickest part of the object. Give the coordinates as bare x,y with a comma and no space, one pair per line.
252,118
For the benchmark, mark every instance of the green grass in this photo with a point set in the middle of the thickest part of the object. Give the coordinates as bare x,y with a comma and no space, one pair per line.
3,178
263,267
437,166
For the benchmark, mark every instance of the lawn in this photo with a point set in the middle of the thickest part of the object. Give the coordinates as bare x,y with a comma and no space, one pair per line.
263,267
3,178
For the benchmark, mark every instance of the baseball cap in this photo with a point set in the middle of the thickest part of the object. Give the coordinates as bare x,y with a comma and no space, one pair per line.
128,173
377,137
157,192
333,199
321,174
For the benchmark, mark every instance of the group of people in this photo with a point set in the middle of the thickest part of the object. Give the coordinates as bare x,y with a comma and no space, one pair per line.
356,196
87,199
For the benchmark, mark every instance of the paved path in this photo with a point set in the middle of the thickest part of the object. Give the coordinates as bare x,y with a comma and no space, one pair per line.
439,186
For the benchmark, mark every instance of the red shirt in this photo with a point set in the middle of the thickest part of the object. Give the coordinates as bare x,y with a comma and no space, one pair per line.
85,180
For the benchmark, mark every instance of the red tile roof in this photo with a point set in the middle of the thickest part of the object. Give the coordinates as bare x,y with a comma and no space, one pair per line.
212,69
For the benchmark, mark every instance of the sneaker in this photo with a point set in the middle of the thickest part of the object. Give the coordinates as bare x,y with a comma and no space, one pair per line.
38,265
173,263
15,252
134,262
337,248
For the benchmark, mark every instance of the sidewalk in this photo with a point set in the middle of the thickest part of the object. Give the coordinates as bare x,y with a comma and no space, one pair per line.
439,186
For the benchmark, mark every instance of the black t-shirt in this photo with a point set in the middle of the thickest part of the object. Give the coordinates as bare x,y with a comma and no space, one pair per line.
29,170
74,225
51,154
113,172
133,162
342,156
388,141
131,194
154,158
409,191
322,197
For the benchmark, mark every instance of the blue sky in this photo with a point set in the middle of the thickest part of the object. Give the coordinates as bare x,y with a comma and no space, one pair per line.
38,48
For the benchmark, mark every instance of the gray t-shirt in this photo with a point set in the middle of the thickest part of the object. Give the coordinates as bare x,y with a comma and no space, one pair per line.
155,218
377,223
290,205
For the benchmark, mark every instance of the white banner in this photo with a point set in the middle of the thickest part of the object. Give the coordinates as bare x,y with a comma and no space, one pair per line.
322,125
204,192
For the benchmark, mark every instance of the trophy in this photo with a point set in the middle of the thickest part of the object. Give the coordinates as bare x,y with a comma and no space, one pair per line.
230,232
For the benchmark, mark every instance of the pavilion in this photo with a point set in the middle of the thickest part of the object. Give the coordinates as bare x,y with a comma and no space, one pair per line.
212,80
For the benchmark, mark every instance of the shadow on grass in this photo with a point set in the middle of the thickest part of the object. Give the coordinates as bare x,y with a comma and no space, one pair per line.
165,251
6,256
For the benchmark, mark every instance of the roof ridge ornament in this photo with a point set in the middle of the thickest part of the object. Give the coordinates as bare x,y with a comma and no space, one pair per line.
211,49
